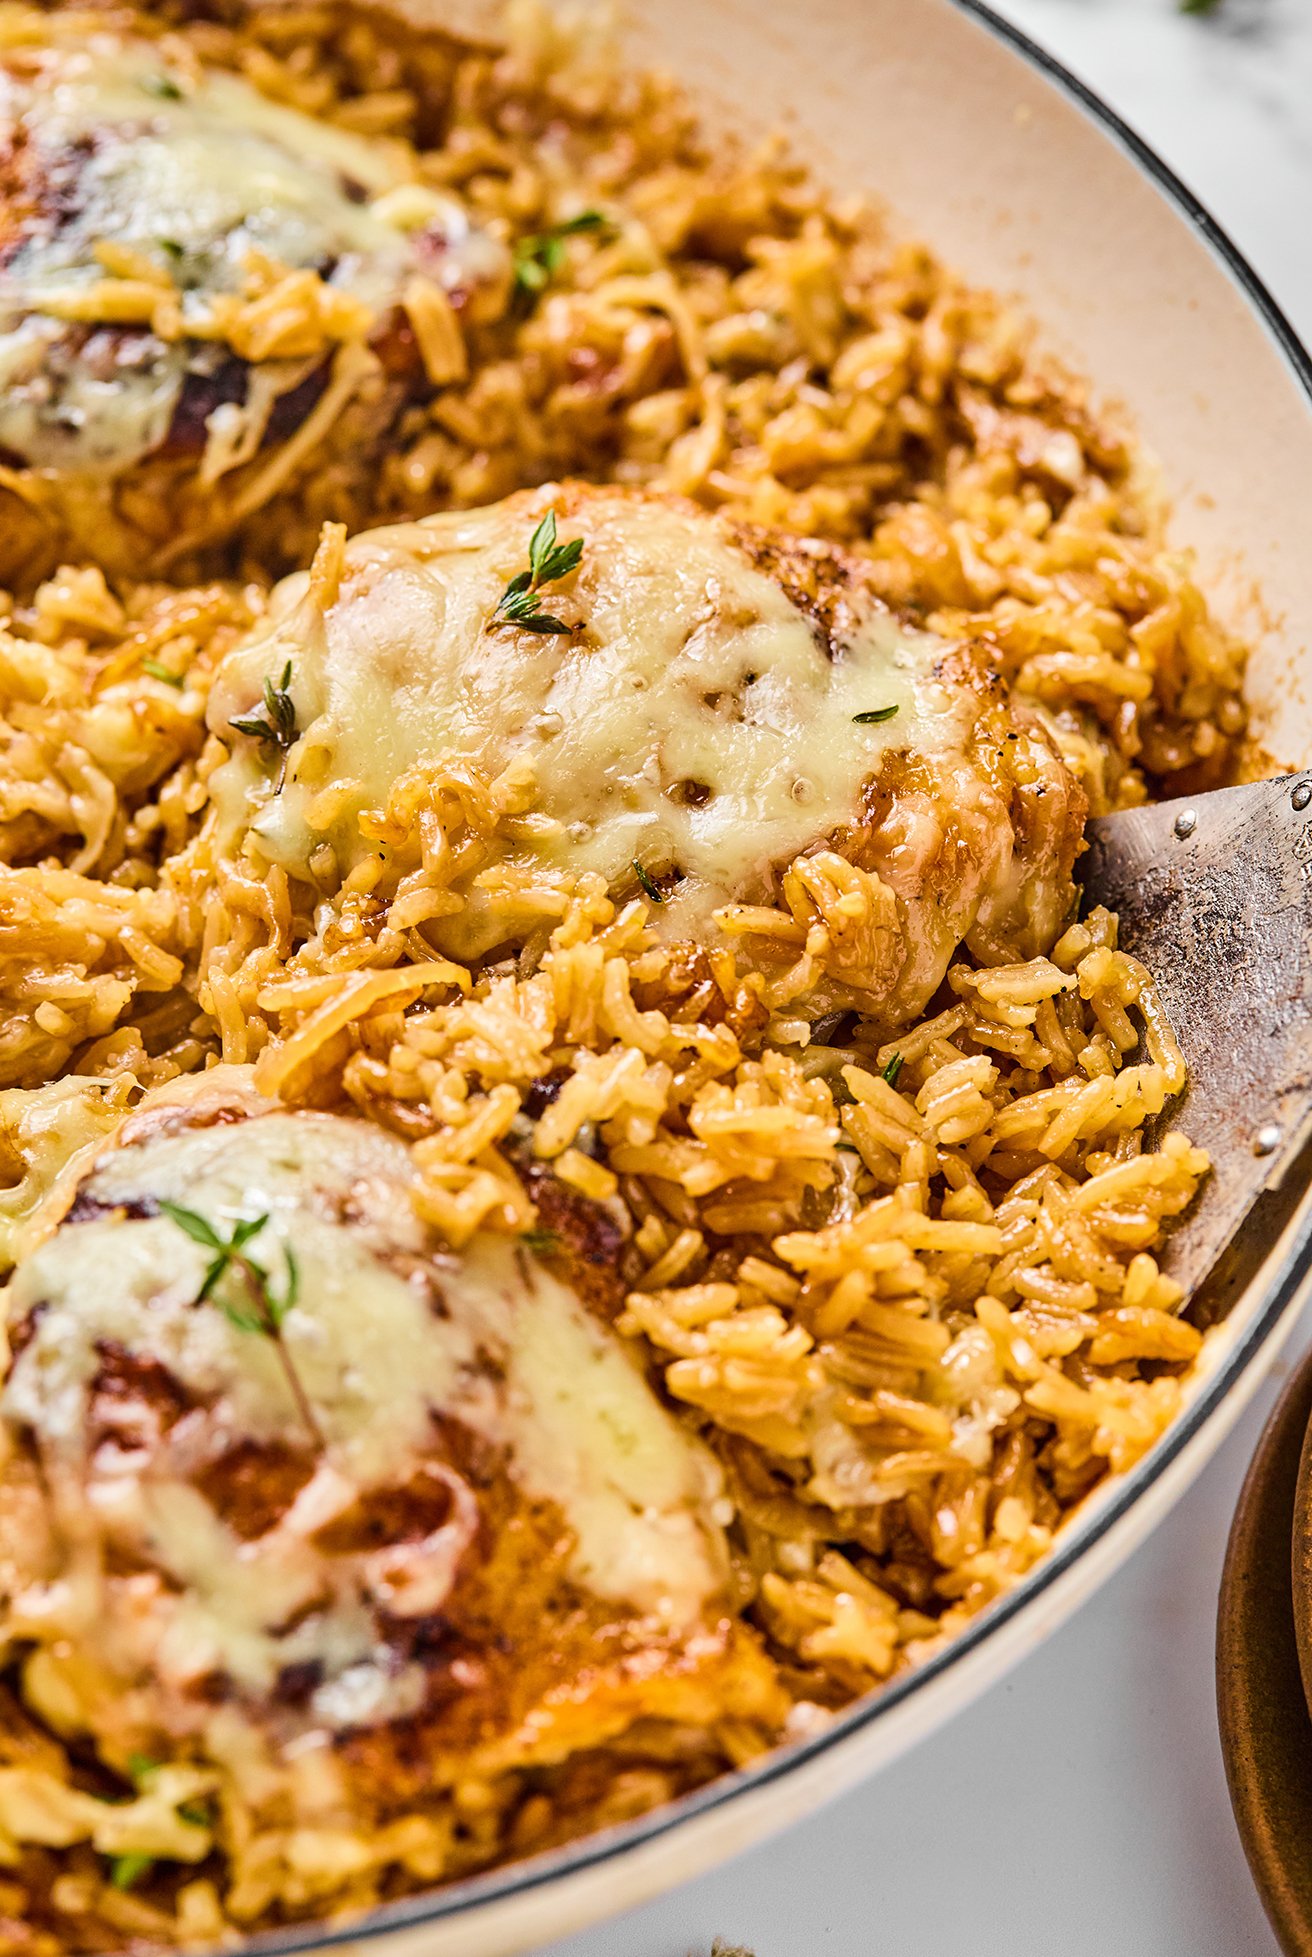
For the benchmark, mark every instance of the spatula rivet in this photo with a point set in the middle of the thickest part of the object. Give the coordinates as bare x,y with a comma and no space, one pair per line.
1185,823
1301,796
1268,1141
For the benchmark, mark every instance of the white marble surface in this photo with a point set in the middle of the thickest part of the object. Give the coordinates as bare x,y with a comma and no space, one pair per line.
1225,98
1079,1809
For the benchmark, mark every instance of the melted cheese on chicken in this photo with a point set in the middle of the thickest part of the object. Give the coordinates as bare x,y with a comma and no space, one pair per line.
191,171
153,1406
693,720
723,703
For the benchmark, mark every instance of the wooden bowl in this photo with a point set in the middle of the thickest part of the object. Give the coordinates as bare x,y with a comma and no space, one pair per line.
1301,1565
1266,1730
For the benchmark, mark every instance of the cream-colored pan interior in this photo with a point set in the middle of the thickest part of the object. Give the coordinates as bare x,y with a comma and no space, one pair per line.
979,154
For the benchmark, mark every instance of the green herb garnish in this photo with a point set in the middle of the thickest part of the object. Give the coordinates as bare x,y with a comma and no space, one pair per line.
649,889
172,248
229,1255
126,1870
892,1070
256,1306
873,716
141,1770
541,1241
538,258
1199,6
276,726
547,561
162,85
160,672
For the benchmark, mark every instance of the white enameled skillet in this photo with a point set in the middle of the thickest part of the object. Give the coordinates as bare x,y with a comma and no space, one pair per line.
983,146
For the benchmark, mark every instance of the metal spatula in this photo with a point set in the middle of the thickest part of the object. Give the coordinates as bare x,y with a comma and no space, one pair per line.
1215,896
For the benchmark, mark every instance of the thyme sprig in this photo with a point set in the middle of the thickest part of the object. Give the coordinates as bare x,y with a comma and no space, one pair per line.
538,257
257,1306
547,561
276,726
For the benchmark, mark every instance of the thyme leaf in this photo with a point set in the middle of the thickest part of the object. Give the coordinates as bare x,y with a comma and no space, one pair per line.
275,727
521,608
127,1870
547,562
198,1228
537,258
649,889
158,671
280,1304
163,86
893,1069
244,1321
873,716
547,559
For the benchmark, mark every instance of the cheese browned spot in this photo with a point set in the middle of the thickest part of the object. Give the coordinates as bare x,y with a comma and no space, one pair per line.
725,703
190,176
442,1501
